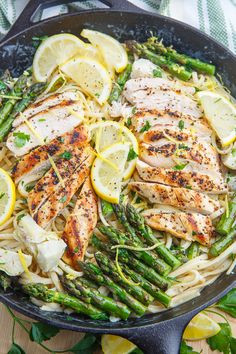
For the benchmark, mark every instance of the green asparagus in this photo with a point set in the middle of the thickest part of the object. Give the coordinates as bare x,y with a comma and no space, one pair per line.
220,245
147,257
193,250
94,272
119,210
120,83
41,292
149,287
175,69
171,54
5,281
138,222
77,288
110,269
5,78
228,218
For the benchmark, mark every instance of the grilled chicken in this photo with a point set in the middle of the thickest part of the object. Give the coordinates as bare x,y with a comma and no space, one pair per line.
161,94
62,194
45,126
80,225
44,104
38,159
189,226
182,198
193,180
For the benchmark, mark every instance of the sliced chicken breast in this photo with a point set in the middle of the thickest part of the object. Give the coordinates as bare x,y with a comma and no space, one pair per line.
38,159
62,195
192,180
80,225
147,93
44,104
182,198
45,126
188,226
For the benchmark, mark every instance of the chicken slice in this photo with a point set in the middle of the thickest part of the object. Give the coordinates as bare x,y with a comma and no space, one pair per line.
45,126
188,226
161,94
47,184
192,180
182,198
62,195
80,225
44,104
38,159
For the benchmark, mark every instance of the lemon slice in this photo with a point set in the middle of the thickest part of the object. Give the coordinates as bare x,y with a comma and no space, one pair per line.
90,75
229,160
108,170
7,196
105,134
113,52
55,51
116,345
201,327
221,115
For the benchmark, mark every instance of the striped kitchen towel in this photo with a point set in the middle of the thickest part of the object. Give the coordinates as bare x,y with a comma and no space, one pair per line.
215,17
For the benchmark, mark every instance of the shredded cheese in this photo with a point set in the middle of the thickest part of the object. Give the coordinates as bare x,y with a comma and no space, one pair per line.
24,264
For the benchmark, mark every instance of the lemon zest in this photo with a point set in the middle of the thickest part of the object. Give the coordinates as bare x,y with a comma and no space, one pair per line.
70,276
97,154
76,114
24,264
120,270
33,130
136,248
170,138
226,206
56,170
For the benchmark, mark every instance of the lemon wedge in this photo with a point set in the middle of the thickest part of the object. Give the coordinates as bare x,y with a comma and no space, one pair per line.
105,134
201,327
221,115
108,170
113,52
229,160
90,75
116,345
7,196
53,52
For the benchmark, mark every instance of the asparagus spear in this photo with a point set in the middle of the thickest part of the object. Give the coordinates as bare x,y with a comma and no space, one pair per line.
226,221
32,92
193,250
149,287
109,268
5,281
41,292
219,246
120,83
196,64
4,89
147,257
147,272
142,50
76,288
145,231
94,272
119,210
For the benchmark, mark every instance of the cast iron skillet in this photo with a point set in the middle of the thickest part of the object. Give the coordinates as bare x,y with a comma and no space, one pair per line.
157,333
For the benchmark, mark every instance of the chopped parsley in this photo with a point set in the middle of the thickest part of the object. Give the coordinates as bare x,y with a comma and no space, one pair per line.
132,155
194,233
21,139
128,122
76,249
19,217
183,147
157,73
188,187
181,125
134,109
2,195
233,152
179,167
63,199
138,200
217,100
97,94
42,120
146,127
66,155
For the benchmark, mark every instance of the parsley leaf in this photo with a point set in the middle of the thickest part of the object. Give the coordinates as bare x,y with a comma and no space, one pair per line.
228,303
221,341
179,167
132,154
66,155
128,122
16,349
40,332
181,125
146,127
87,345
19,217
233,345
21,139
106,208
63,199
134,109
186,349
157,73
233,152
2,195
183,147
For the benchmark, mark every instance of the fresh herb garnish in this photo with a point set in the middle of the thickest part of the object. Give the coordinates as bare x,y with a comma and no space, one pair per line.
157,73
42,120
221,341
128,122
181,125
19,217
132,155
146,127
21,139
66,155
2,195
106,208
228,303
186,349
217,100
233,152
134,110
183,147
188,187
40,332
194,233
63,199
179,167
76,249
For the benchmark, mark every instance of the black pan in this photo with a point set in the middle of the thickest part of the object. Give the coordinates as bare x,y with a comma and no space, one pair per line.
157,333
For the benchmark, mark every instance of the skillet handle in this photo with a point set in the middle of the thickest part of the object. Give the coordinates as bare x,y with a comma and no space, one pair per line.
161,338
25,19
